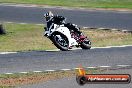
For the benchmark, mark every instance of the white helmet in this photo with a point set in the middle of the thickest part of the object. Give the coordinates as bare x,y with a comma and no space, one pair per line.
48,15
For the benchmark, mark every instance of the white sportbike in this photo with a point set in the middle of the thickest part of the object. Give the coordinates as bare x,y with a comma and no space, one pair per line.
64,38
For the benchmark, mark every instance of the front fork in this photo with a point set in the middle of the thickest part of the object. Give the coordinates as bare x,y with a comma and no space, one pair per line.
46,32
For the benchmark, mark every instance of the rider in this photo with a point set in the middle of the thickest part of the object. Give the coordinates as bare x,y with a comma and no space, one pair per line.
50,18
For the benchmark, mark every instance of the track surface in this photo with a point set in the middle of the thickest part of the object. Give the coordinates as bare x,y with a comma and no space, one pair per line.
107,19
43,60
30,61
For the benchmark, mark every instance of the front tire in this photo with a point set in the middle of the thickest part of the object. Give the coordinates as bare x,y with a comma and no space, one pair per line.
60,41
86,44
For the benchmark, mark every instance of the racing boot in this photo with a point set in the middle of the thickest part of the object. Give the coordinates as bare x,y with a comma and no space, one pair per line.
81,37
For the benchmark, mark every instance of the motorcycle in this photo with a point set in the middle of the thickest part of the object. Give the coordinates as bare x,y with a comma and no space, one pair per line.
63,37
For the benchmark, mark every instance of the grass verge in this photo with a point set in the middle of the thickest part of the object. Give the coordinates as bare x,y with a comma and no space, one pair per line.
12,80
17,79
78,3
102,38
27,37
24,38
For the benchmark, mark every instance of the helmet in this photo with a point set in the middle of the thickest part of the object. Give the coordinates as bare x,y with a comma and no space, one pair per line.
48,15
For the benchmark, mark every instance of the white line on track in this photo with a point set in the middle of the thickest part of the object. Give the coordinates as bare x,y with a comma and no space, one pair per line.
104,66
18,5
22,23
40,24
112,47
123,65
71,69
65,69
8,73
91,67
53,50
8,52
50,70
114,29
23,72
76,49
37,71
9,22
75,68
96,47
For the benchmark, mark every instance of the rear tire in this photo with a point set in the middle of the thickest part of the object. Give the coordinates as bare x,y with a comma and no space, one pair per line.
86,44
60,41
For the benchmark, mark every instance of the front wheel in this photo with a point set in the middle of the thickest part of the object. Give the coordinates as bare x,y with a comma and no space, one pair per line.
86,44
60,41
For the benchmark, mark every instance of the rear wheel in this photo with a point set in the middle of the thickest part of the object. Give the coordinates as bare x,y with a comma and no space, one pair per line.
60,41
86,44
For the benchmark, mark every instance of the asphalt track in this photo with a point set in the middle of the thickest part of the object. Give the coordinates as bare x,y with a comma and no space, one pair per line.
88,18
53,60
45,60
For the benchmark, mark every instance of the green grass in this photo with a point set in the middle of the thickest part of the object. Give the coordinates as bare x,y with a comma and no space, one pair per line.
78,3
101,38
27,37
24,38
